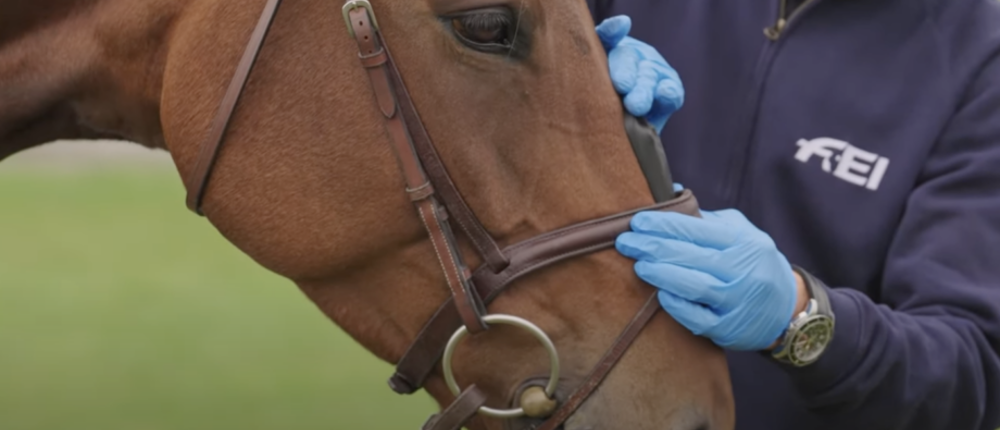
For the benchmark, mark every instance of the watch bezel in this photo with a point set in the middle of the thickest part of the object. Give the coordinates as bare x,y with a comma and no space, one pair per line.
795,355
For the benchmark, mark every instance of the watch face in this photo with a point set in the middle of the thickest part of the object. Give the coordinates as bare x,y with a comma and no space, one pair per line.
811,339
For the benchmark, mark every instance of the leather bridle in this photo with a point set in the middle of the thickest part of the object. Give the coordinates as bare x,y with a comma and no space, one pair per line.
439,204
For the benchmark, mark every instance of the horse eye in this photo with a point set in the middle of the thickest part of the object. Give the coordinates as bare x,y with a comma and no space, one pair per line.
487,30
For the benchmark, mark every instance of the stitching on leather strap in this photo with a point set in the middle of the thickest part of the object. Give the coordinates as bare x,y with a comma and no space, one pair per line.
462,296
434,244
420,193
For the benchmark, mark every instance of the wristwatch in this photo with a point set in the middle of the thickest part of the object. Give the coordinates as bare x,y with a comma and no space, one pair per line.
811,331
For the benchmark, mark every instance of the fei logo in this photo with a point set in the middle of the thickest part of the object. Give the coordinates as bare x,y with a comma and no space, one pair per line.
854,165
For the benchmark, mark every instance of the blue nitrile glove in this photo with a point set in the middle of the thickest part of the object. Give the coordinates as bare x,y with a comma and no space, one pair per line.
719,275
652,88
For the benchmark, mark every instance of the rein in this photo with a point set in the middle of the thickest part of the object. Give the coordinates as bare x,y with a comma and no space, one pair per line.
437,200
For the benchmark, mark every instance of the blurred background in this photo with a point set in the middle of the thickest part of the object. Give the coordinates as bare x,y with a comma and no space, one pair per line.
120,309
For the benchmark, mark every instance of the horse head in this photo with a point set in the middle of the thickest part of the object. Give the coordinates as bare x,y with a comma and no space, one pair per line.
514,96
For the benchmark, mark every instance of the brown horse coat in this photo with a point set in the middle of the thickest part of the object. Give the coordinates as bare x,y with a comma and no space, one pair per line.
308,187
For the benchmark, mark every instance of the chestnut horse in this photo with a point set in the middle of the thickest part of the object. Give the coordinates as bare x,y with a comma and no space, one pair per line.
516,98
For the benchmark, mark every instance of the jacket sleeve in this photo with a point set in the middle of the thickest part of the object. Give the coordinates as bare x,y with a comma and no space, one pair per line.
928,356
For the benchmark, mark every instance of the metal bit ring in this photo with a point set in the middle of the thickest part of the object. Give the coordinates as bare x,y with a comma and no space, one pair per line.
461,333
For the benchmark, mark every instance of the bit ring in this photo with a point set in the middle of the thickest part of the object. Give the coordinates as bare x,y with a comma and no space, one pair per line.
461,333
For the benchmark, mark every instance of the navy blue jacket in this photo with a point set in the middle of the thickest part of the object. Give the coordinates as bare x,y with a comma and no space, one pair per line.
866,141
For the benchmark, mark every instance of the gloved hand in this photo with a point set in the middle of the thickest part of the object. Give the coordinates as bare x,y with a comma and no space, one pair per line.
652,88
719,275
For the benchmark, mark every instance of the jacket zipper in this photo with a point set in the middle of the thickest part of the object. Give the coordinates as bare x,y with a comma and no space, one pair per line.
774,32
737,177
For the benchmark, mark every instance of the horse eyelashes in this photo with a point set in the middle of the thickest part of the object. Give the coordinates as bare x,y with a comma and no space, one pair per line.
487,28
493,31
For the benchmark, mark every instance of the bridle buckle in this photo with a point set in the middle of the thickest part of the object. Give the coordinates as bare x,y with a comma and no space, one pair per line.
350,6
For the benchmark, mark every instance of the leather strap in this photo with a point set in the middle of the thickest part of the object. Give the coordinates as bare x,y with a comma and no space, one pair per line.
422,356
209,149
466,219
415,152
211,146
456,415
597,375
374,56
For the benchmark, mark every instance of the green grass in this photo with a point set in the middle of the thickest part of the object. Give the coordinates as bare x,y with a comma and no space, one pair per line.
121,310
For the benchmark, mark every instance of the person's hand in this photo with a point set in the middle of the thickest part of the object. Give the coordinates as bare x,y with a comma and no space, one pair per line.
719,275
652,88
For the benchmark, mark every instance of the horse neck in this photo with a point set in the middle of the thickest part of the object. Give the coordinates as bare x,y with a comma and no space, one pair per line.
83,70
